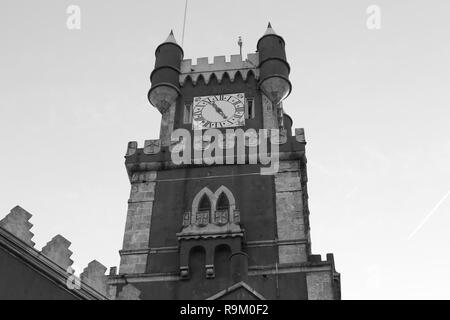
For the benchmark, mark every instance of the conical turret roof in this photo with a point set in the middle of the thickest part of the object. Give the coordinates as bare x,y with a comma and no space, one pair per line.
171,38
270,30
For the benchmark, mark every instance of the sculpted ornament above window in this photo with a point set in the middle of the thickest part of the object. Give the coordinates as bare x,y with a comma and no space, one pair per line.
221,217
212,213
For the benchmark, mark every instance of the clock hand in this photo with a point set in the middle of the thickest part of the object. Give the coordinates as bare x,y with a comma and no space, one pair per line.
219,110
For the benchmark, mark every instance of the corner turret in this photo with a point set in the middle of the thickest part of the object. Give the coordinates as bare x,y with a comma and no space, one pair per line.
274,69
165,77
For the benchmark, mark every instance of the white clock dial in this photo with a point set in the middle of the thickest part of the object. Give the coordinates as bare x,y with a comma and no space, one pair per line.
219,111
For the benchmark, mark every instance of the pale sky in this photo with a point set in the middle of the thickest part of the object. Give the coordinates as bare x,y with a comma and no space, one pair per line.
374,105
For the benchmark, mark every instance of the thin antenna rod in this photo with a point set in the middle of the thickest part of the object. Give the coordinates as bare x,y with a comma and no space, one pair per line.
184,22
240,45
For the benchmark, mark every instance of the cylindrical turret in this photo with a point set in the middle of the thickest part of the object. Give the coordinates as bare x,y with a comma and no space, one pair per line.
165,77
287,124
274,69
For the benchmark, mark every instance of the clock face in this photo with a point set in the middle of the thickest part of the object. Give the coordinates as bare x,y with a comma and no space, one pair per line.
219,111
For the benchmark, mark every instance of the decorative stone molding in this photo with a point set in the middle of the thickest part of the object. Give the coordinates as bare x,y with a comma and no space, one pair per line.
215,224
210,271
187,219
17,222
131,148
211,223
219,67
152,146
221,217
235,287
58,251
184,272
237,216
212,232
300,135
213,197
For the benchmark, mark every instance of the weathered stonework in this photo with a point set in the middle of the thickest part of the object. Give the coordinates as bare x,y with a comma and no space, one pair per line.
269,115
58,251
131,148
289,210
137,229
167,122
133,263
17,222
94,276
129,292
320,286
292,253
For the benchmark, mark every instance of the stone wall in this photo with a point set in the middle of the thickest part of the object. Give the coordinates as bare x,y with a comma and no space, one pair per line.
320,285
137,229
292,236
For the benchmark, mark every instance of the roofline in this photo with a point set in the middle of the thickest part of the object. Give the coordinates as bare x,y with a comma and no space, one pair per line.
45,266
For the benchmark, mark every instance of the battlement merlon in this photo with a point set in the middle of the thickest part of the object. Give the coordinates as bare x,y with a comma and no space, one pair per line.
154,146
54,259
219,67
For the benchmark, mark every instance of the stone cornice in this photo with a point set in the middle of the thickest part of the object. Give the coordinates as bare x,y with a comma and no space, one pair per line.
253,271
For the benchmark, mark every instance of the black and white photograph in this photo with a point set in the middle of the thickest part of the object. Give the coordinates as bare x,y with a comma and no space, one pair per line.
192,150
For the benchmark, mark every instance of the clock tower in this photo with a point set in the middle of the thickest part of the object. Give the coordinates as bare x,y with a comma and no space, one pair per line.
204,220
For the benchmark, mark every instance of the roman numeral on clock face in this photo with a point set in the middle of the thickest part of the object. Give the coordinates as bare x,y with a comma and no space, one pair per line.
219,111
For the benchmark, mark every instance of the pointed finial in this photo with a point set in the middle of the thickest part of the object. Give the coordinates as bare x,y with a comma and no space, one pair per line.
269,29
240,45
171,38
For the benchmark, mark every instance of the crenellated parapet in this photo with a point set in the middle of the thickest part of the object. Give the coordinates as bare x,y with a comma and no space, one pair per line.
154,146
94,276
58,251
54,259
17,223
219,68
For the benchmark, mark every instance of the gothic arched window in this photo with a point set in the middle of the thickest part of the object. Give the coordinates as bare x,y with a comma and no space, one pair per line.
204,210
222,209
209,207
204,204
223,202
